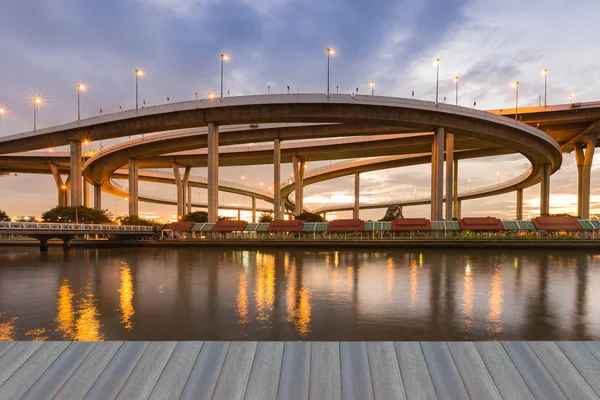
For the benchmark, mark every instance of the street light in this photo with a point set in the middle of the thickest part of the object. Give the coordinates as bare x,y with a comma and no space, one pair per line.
224,57
516,86
36,103
545,72
330,52
437,80
372,84
138,74
80,88
2,112
456,88
211,96
571,98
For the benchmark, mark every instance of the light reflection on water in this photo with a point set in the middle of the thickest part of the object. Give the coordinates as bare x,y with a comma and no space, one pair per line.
221,294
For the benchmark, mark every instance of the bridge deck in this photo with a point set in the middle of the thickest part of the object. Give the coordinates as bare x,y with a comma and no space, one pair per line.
300,370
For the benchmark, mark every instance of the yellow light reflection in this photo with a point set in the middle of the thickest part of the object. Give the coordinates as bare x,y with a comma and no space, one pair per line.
414,275
298,304
7,328
420,259
390,278
65,317
495,297
303,313
87,327
336,259
242,299
37,335
467,306
264,291
126,297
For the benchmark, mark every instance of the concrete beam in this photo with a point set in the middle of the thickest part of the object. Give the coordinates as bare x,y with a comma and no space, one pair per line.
254,209
545,189
356,210
188,199
133,187
437,175
450,193
185,199
277,179
60,186
97,196
86,193
519,216
586,177
298,165
213,172
76,173
455,190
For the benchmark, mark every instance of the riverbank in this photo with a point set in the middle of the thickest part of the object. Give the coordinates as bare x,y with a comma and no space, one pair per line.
447,243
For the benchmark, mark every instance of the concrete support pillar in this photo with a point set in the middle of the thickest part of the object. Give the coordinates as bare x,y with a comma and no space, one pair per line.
133,187
254,209
97,196
213,172
181,184
437,175
188,199
519,204
185,199
67,191
585,176
239,214
60,186
356,210
458,209
455,185
86,194
76,173
545,190
299,166
277,203
450,194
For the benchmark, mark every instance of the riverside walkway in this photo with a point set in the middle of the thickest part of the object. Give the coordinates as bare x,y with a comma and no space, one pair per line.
300,370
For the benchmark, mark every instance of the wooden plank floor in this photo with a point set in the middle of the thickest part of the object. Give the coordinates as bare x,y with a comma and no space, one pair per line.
300,370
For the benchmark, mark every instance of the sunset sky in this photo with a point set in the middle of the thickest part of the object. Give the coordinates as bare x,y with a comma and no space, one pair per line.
276,43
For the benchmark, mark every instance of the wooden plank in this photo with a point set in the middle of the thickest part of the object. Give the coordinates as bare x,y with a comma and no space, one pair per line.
413,369
473,372
507,378
295,371
564,373
31,370
264,376
5,346
117,371
15,357
356,376
84,377
203,378
176,372
533,372
236,371
385,372
60,371
446,379
142,379
584,361
594,347
325,371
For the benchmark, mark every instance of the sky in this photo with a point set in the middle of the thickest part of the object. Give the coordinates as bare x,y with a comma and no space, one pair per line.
48,46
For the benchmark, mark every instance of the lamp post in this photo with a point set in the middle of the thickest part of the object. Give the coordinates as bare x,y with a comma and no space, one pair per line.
516,86
437,80
545,72
138,74
571,98
456,88
80,88
224,57
330,52
36,102
372,84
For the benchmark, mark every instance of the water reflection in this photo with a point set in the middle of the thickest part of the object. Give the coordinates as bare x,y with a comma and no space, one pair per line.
220,294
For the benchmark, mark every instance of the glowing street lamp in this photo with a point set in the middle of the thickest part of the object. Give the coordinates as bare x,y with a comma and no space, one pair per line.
516,86
211,96
138,74
36,103
571,98
372,84
80,88
456,88
437,80
224,57
330,52
545,73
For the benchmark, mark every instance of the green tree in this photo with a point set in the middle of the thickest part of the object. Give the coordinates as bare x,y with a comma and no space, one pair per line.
309,217
388,217
266,217
135,221
224,218
29,218
4,216
68,214
197,216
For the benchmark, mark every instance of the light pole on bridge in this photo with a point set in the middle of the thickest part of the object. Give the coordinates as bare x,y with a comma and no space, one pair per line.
138,74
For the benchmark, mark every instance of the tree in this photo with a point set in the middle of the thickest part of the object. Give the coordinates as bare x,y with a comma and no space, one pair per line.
4,216
266,217
310,217
135,221
388,217
68,214
29,218
197,216
224,218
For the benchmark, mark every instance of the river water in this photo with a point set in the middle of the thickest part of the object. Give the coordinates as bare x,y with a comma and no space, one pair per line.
222,294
